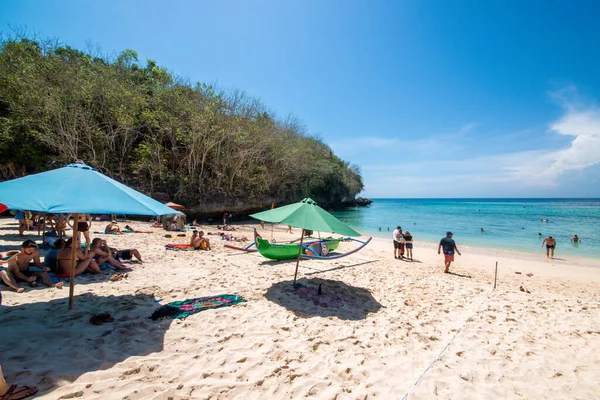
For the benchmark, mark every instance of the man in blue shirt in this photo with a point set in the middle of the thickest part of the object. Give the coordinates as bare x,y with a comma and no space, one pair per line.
449,247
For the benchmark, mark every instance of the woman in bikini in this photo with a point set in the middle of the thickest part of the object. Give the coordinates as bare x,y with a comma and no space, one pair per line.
84,224
83,262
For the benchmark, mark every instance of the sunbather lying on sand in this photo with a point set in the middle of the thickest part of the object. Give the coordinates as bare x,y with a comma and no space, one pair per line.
230,238
83,261
6,255
18,268
101,256
126,254
199,242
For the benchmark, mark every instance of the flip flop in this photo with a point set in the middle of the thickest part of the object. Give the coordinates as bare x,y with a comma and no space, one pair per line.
106,317
19,392
96,319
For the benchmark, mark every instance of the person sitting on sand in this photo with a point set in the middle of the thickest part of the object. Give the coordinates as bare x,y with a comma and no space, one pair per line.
112,228
194,223
14,392
83,262
18,268
51,258
199,242
550,246
99,253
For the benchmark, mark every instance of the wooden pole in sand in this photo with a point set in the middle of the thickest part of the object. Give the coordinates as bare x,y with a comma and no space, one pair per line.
74,247
496,275
298,259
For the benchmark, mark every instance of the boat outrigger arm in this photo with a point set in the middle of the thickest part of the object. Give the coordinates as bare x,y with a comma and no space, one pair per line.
314,256
247,249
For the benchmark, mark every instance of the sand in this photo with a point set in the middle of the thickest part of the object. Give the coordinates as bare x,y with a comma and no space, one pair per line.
383,328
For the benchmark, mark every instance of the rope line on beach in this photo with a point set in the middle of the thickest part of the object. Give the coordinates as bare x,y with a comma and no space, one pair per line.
477,309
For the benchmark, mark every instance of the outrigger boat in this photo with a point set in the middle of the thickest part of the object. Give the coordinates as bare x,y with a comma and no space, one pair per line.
320,249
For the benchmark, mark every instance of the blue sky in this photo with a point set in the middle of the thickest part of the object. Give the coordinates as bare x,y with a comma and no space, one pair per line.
441,98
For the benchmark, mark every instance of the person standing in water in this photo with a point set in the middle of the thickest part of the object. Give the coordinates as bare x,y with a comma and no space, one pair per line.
550,246
575,239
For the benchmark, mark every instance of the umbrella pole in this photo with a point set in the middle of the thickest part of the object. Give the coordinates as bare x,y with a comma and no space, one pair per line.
44,229
59,227
74,247
298,259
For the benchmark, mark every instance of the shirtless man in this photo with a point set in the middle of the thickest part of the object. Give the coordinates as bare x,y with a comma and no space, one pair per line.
99,253
84,224
199,242
550,246
83,262
18,268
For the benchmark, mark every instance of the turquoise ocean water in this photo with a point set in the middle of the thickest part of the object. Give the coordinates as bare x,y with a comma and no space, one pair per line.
512,224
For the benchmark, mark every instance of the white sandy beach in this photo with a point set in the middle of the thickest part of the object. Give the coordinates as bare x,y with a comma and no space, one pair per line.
396,318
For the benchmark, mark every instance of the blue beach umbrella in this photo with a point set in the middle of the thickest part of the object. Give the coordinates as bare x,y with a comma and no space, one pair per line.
77,189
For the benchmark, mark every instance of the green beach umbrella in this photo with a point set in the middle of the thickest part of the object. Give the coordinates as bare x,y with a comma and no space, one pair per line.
307,215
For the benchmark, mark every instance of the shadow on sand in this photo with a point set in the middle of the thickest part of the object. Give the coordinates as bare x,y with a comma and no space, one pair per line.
43,344
337,299
459,275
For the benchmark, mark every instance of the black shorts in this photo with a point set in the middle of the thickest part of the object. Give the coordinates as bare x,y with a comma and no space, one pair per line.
409,245
123,254
396,244
82,227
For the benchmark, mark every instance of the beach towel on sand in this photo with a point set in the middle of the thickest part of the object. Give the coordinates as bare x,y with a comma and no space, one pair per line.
183,309
178,246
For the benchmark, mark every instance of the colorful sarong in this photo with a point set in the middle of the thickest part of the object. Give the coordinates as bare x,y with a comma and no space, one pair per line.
183,309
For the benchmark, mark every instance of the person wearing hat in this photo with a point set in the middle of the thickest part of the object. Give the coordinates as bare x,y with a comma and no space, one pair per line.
449,246
113,228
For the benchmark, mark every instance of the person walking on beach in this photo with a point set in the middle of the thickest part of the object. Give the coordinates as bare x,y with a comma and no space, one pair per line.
550,246
396,237
449,246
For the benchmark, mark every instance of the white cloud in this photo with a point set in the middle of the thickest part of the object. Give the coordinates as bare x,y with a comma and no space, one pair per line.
518,173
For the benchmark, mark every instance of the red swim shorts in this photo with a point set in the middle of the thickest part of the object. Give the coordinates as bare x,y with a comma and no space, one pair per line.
448,257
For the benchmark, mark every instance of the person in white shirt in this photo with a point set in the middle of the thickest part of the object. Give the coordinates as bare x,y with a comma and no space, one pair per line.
396,235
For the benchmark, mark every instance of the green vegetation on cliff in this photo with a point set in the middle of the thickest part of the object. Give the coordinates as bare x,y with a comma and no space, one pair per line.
158,133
